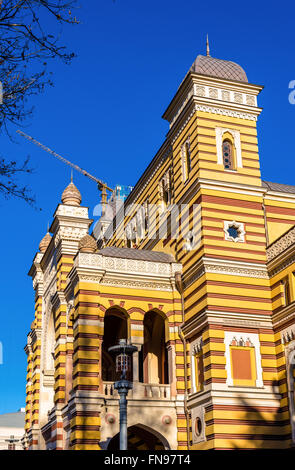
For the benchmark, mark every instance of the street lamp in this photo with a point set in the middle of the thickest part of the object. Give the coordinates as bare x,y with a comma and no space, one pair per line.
123,352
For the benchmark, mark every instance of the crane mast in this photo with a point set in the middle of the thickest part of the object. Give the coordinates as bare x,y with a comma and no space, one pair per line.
101,185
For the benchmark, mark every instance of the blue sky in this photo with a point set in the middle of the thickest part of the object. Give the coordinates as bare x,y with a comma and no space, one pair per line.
104,113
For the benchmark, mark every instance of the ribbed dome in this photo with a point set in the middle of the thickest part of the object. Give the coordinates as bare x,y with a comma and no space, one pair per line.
87,244
207,65
71,195
45,242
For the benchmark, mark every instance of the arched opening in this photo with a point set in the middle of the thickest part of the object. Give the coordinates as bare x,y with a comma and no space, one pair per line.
155,356
115,328
140,438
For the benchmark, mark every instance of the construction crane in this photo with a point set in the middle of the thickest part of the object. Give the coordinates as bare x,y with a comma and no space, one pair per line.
100,184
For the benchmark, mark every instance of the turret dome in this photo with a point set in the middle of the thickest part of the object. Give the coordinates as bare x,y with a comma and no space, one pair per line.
71,195
45,242
207,65
87,244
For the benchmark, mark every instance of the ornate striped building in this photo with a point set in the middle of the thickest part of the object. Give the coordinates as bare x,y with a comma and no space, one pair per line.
197,270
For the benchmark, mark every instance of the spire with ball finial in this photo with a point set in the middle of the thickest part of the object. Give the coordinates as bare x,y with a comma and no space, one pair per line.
208,48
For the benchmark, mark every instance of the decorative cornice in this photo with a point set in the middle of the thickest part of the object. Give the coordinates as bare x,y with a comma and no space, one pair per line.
281,244
36,335
238,271
288,334
121,272
284,315
234,269
282,265
123,265
58,299
150,285
180,129
213,110
226,112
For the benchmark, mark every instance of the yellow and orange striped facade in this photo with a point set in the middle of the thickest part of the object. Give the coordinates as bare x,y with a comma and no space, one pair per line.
206,292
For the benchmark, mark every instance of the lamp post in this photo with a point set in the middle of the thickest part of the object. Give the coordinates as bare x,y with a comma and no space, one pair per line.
123,352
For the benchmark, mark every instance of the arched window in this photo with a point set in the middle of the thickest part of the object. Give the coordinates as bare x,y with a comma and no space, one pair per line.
166,188
228,154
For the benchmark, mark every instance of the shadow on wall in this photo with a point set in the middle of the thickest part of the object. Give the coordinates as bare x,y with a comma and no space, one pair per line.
268,428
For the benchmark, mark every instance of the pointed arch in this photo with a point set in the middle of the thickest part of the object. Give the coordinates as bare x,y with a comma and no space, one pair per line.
231,136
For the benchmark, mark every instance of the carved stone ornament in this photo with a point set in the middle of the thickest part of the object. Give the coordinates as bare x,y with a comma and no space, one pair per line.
87,244
281,245
71,195
45,242
98,261
288,334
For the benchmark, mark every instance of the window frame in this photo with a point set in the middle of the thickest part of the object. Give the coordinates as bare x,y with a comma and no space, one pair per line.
244,382
197,352
254,339
186,157
231,156
234,136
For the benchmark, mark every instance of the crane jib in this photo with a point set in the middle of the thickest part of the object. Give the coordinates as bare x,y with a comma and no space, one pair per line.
64,160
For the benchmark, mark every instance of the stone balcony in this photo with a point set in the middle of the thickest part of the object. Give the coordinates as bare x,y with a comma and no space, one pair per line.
140,391
151,406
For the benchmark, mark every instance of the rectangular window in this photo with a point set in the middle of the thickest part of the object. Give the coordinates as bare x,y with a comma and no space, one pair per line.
243,367
199,371
286,291
186,160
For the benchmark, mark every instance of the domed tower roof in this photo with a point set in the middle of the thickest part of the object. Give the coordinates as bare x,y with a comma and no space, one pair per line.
45,242
87,244
207,65
71,195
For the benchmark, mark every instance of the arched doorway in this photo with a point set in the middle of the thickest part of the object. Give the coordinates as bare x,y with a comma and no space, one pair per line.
115,328
155,357
140,438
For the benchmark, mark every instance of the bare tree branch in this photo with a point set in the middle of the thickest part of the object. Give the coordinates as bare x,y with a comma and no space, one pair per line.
27,42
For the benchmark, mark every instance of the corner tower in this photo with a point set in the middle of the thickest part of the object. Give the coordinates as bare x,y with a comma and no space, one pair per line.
215,104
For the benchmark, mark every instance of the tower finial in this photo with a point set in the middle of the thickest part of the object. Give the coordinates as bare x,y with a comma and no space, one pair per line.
71,175
208,48
47,227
